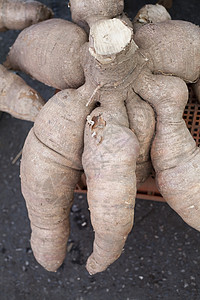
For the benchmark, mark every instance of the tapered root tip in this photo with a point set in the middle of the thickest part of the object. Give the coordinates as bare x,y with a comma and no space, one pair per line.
49,265
93,267
45,13
50,259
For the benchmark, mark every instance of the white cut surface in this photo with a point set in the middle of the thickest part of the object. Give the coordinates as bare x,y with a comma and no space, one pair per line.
110,36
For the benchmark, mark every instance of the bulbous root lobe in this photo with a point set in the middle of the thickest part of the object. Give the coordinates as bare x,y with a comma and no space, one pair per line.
48,187
17,98
156,41
21,14
150,14
58,64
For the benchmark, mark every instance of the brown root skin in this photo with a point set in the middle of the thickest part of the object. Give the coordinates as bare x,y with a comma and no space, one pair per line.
150,13
17,98
21,14
110,153
169,106
174,153
51,161
49,204
110,147
66,110
50,169
142,122
56,142
156,41
59,65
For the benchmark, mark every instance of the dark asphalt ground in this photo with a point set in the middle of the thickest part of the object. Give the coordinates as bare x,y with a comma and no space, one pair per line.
162,254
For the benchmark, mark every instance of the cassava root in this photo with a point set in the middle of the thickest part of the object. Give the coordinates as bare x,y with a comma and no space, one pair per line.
19,14
57,61
174,153
110,145
17,98
135,79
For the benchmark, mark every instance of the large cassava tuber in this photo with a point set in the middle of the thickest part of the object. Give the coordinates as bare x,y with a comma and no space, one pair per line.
52,162
174,153
65,71
52,156
110,145
125,74
19,14
56,62
17,98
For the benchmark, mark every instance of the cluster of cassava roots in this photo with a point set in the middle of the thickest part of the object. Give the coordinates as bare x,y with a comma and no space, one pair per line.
118,115
16,97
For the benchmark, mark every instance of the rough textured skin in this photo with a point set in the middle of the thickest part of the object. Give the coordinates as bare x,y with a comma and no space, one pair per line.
67,110
17,98
51,161
110,147
142,122
116,69
176,58
150,14
50,52
174,153
48,205
19,14
109,158
87,12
